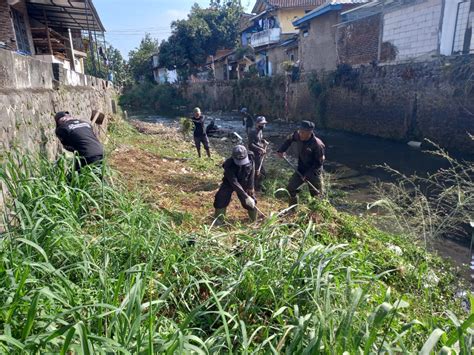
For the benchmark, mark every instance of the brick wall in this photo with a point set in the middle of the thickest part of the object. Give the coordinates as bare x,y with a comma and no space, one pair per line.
21,8
414,30
7,31
7,34
358,42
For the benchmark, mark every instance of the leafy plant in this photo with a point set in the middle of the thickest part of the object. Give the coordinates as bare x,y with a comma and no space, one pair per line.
87,267
186,126
432,206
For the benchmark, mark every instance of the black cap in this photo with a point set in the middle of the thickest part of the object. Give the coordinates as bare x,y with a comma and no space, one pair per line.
307,126
240,155
60,115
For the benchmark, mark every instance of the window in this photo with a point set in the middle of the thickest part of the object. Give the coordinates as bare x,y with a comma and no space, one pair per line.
20,31
305,33
462,20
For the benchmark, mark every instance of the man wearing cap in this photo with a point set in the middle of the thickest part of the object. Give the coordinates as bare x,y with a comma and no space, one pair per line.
247,120
258,146
311,156
200,135
239,175
78,136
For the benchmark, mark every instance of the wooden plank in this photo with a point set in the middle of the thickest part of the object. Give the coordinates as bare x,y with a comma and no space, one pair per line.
47,32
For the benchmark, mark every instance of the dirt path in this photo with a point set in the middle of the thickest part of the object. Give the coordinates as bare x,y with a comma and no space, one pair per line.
157,160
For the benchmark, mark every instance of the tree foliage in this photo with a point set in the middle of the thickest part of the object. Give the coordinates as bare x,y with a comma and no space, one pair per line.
99,67
140,59
201,34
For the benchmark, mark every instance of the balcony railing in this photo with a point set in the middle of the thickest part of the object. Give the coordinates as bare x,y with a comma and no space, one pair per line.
262,38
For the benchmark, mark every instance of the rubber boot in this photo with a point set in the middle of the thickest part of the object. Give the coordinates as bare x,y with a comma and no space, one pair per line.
208,152
252,215
219,216
293,200
199,152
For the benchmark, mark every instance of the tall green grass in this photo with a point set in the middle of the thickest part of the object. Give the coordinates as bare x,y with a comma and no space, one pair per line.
87,267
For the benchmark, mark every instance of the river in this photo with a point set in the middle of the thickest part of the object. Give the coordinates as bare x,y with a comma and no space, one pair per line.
355,160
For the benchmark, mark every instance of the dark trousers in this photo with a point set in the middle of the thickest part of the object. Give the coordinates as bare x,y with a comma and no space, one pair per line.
224,195
201,139
259,174
296,182
81,162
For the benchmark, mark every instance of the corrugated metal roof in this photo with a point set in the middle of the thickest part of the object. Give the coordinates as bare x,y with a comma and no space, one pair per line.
74,14
330,5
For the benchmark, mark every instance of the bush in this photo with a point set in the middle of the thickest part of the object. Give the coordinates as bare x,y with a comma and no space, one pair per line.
150,97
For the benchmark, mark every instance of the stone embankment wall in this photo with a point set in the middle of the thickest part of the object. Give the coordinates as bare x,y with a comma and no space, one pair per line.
411,101
32,90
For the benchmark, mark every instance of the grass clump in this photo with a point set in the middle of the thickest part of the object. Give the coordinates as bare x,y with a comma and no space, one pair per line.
87,267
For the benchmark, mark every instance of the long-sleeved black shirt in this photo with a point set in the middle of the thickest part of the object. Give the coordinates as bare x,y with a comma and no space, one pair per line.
247,120
240,178
311,153
256,141
199,126
77,135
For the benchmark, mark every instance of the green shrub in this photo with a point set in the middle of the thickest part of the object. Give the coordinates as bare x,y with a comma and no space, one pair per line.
150,97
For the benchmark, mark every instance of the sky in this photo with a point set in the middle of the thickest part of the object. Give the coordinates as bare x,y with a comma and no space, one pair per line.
127,21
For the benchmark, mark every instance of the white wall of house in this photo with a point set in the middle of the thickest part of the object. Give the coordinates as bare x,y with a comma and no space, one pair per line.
471,16
163,75
414,30
455,24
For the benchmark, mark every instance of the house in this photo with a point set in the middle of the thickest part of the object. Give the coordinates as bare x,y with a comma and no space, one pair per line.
317,48
162,75
222,65
389,31
52,31
270,28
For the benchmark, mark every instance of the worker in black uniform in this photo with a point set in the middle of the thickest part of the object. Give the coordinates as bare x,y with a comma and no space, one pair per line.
311,156
212,129
200,135
258,146
247,120
239,175
78,136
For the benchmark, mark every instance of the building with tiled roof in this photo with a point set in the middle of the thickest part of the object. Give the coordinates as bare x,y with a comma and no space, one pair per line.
262,5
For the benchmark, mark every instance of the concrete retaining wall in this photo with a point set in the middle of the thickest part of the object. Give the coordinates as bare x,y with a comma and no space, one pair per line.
32,90
433,100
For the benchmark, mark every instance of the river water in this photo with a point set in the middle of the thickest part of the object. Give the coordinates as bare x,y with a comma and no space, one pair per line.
355,160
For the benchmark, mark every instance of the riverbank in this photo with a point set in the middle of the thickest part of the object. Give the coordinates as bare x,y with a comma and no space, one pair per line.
354,166
127,266
401,259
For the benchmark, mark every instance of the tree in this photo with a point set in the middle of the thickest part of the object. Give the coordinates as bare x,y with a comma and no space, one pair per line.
201,34
140,59
112,61
118,66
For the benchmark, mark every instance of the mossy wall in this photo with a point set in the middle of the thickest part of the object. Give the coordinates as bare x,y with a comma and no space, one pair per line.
410,101
30,94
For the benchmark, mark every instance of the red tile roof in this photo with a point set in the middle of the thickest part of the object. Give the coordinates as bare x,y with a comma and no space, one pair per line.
295,3
261,5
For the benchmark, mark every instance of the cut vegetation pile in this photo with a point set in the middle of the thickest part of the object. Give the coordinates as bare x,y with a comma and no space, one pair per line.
92,267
